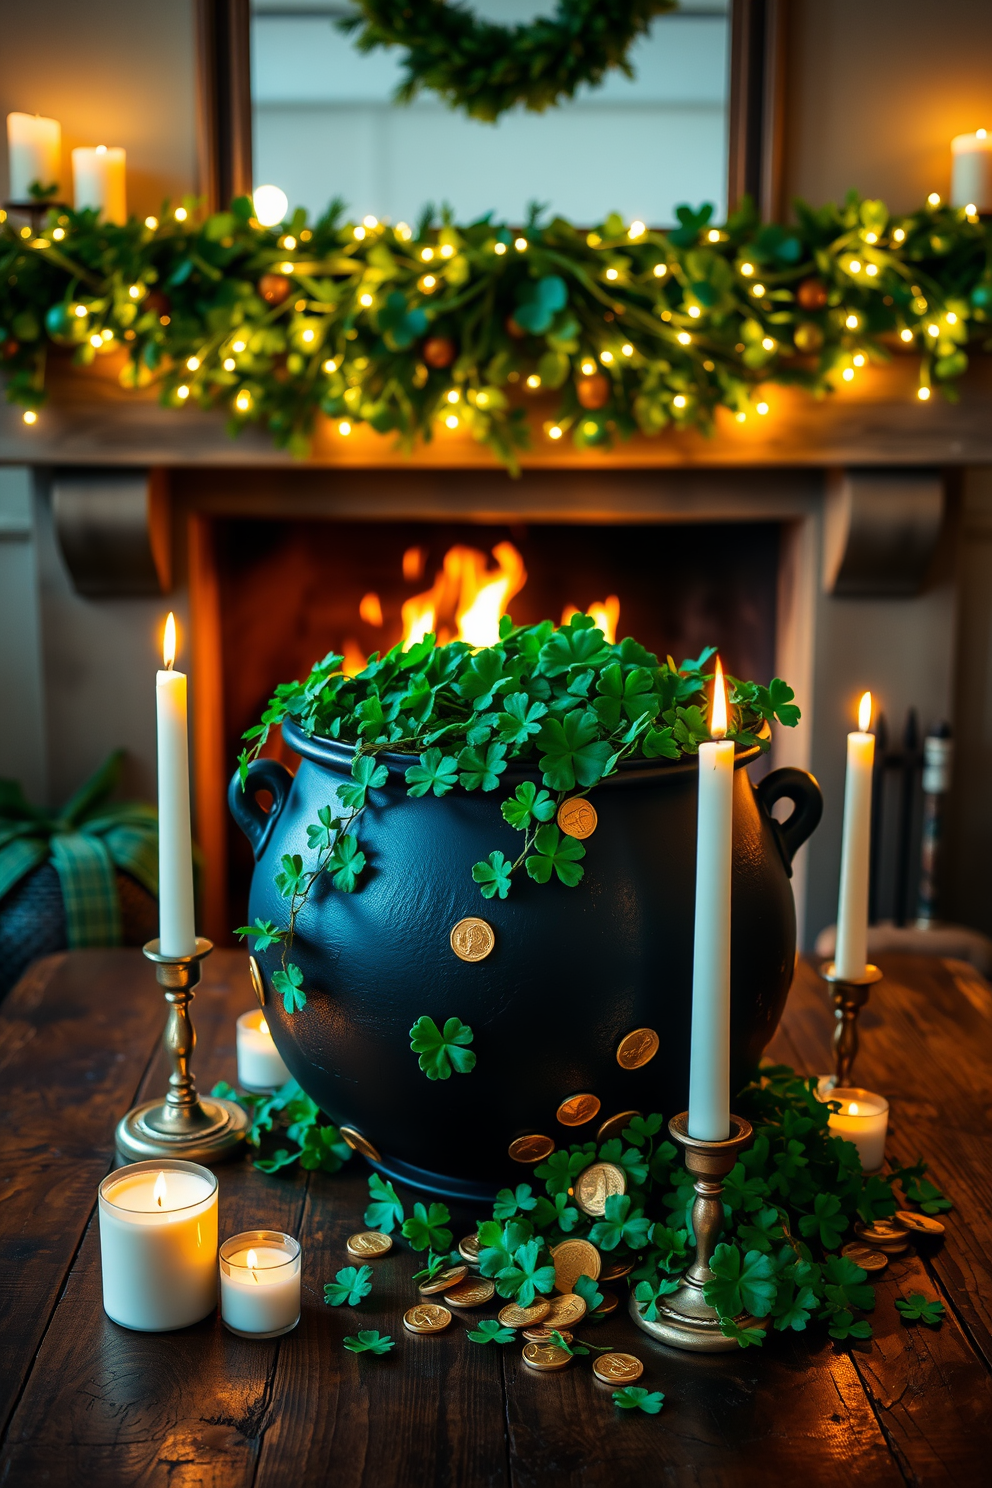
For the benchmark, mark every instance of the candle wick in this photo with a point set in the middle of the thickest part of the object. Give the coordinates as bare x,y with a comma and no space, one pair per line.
170,664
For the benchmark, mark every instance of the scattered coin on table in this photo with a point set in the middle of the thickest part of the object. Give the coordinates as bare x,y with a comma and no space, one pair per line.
426,1317
883,1234
475,1292
617,1369
546,1356
468,1249
575,1258
862,1255
609,1304
369,1244
920,1224
596,1184
513,1316
449,1277
543,1334
564,1311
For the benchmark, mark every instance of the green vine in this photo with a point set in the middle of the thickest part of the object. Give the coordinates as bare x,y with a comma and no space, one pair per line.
411,329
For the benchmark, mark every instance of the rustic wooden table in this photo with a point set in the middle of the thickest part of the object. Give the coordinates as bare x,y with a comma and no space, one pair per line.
83,1401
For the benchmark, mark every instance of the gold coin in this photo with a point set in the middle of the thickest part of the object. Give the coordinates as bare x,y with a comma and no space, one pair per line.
575,1258
475,1292
531,1149
609,1304
512,1316
637,1048
883,1234
449,1277
577,817
472,939
426,1317
564,1312
596,1184
543,1334
578,1109
617,1369
258,985
358,1143
862,1255
921,1224
468,1249
616,1270
368,1244
546,1356
615,1126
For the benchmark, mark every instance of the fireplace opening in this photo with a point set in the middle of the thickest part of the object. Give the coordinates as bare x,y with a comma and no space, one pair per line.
289,591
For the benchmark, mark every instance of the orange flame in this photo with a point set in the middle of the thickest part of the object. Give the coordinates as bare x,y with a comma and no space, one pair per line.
169,642
468,594
355,659
414,562
160,1190
718,712
605,613
864,713
370,609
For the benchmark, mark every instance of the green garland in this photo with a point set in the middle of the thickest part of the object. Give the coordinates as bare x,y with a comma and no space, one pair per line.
410,328
486,69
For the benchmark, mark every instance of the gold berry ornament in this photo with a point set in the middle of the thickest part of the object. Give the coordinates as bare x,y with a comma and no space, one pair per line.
593,391
808,336
439,351
156,302
274,288
812,294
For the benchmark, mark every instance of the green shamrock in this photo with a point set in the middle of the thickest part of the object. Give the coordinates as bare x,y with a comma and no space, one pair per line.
441,1051
425,1228
349,1286
435,772
740,1282
385,1211
490,1331
635,1397
345,864
521,719
481,768
826,1222
554,852
916,1308
572,752
528,805
843,1326
289,985
265,934
371,1341
366,775
493,876
527,1275
619,1222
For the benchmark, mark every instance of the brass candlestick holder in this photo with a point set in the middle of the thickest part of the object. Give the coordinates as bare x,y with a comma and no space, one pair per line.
685,1318
181,1125
850,995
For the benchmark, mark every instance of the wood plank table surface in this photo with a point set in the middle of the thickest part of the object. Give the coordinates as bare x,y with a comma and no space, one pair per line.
83,1401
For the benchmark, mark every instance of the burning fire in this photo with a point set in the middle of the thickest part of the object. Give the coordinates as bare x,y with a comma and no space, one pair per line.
606,614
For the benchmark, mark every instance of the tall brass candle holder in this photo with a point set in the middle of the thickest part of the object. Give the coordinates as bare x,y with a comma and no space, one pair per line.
181,1124
685,1318
850,995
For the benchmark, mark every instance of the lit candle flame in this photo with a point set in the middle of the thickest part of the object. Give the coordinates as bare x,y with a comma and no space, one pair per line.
718,712
159,1191
864,713
852,1109
252,1259
263,1027
169,642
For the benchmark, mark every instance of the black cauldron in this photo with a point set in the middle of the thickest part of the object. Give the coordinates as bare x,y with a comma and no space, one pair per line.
573,969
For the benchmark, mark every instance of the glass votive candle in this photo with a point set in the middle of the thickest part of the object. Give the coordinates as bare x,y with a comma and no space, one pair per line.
158,1244
260,1065
260,1283
863,1119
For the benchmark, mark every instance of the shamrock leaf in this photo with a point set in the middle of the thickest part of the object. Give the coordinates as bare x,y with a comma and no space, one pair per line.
635,1397
265,934
642,1129
620,1223
659,743
490,1331
671,1246
520,720
481,769
764,1232
527,1276
775,701
371,1341
554,852
740,1282
483,678
916,1308
493,876
690,728
826,1222
746,1337
793,1305
628,1158
435,1264
572,752
276,1161
561,1168
648,1296
586,1288
628,697
842,1325
498,1244
366,775
528,805
385,1211
876,1200
290,878
929,1197
442,1050
345,864
349,1286
289,984
435,772
845,1284
508,1203
321,834
425,1228
323,1150
560,1213
579,643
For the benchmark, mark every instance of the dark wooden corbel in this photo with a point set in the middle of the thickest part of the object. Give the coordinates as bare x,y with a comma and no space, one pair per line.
112,528
880,531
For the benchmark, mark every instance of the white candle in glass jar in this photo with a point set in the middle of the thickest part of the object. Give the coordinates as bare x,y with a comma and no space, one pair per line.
971,171
863,1119
34,154
851,955
158,1245
260,1283
99,181
260,1065
177,925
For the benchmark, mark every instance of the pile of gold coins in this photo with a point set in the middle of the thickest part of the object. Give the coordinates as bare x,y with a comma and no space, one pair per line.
886,1237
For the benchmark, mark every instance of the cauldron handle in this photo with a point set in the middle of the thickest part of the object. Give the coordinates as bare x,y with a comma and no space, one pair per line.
799,787
253,819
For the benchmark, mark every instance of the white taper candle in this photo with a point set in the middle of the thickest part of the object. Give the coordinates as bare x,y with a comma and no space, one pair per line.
851,955
177,925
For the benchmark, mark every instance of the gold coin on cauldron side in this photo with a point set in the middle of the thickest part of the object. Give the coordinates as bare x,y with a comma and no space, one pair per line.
575,1258
920,1224
369,1244
614,1126
468,1249
472,939
883,1234
862,1255
617,1369
258,985
564,1312
546,1356
616,1270
475,1292
578,1109
513,1316
443,1281
426,1317
637,1048
531,1149
358,1143
577,817
596,1184
543,1334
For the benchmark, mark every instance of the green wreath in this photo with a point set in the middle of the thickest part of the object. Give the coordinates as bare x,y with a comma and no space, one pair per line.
486,69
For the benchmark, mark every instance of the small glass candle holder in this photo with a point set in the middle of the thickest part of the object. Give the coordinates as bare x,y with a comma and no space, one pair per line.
260,1065
260,1284
863,1119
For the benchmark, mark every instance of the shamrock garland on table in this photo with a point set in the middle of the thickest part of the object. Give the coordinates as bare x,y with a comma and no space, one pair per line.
413,328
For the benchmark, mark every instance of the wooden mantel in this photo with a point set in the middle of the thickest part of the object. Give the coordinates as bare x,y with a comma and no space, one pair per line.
878,420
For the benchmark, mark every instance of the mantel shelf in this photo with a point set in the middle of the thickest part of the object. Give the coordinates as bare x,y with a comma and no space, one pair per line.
91,420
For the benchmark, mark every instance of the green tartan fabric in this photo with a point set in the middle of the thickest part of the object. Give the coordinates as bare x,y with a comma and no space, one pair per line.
89,890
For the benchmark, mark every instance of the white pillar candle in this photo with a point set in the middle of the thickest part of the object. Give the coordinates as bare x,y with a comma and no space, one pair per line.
260,1065
851,955
98,180
863,1119
709,1061
158,1245
260,1283
34,154
971,171
177,928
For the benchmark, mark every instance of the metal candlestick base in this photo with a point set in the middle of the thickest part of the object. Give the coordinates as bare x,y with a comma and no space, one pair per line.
181,1125
850,996
685,1319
